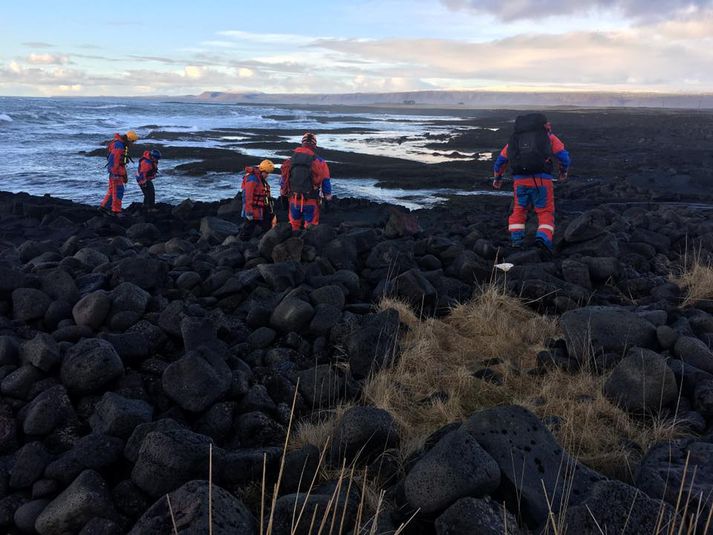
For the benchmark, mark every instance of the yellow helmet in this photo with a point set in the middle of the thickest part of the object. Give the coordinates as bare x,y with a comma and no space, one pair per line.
266,166
132,136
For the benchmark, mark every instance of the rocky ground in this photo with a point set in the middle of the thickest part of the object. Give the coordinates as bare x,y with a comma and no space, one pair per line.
129,346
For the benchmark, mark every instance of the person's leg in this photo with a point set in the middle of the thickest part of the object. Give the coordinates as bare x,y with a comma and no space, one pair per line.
247,230
151,197
311,213
516,221
117,197
295,213
106,202
545,210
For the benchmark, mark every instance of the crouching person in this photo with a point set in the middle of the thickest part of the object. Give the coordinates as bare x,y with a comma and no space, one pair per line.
257,203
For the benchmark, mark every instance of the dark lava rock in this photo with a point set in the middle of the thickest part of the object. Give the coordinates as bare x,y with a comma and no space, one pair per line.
189,506
29,304
473,516
60,285
301,465
372,342
282,276
321,386
118,416
330,506
642,381
197,380
289,250
216,230
133,445
46,412
30,463
145,272
93,451
615,507
9,350
18,383
585,227
531,461
87,497
325,317
145,233
42,352
101,526
128,297
605,329
666,336
328,295
90,365
26,515
694,352
170,458
272,237
361,434
291,315
456,467
679,470
92,309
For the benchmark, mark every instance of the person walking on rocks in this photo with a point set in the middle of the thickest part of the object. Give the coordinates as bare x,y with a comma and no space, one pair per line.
305,184
257,203
148,169
531,155
116,159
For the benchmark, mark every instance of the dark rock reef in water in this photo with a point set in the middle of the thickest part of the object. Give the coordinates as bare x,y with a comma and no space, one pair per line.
129,346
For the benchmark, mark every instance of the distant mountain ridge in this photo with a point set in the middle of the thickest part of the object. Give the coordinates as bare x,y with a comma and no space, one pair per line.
469,99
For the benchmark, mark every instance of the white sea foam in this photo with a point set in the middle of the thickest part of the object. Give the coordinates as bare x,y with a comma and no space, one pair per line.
5,117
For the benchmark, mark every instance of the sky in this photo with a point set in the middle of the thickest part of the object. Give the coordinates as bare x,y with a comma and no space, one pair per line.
135,48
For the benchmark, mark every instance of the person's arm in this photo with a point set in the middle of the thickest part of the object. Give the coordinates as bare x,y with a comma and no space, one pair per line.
499,168
563,158
321,172
284,178
249,197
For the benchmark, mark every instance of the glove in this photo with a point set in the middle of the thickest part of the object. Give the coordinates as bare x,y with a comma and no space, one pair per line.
497,183
249,217
284,202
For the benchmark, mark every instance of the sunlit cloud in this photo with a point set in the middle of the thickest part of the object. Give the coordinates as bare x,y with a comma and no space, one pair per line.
47,59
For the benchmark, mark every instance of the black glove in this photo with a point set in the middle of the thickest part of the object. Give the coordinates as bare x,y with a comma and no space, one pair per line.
284,202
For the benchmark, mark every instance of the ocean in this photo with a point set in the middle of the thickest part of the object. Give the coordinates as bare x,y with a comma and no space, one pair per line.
43,141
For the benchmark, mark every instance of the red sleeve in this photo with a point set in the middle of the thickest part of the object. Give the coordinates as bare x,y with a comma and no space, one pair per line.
285,175
249,194
557,145
320,171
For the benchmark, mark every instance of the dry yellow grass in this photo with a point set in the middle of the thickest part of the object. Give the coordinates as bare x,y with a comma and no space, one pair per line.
696,279
432,383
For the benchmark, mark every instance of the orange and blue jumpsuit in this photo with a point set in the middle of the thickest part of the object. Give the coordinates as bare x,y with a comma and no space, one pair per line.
117,156
305,208
534,191
148,169
256,198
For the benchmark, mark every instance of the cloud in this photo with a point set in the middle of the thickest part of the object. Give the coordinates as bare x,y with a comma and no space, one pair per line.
534,9
47,59
37,44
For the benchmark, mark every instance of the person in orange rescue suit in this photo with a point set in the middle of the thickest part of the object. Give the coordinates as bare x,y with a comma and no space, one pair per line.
148,169
257,203
305,184
116,159
531,154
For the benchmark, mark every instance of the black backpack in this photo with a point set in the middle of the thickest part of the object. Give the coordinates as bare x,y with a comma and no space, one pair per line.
301,173
530,149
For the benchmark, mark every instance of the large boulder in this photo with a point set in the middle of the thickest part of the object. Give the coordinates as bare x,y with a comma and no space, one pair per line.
216,230
145,272
282,276
60,285
29,304
118,416
189,505
642,382
694,352
127,297
169,458
197,380
92,309
541,476
585,227
615,507
46,412
87,497
93,451
401,223
599,329
361,434
289,250
291,315
30,463
90,365
473,516
42,352
272,237
679,472
372,342
456,467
